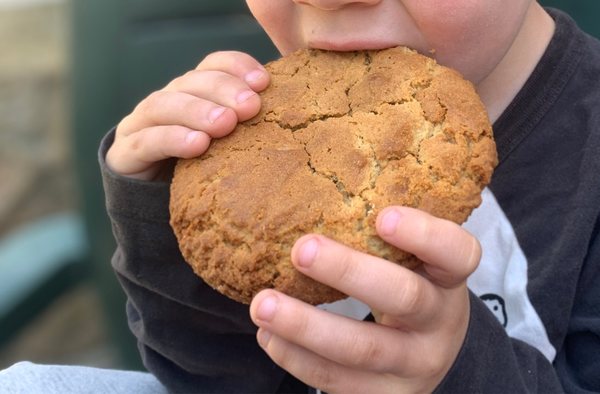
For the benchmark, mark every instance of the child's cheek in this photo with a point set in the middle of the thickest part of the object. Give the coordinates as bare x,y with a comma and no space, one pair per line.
462,21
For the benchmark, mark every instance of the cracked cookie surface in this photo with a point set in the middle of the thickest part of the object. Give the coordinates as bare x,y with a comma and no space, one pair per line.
339,137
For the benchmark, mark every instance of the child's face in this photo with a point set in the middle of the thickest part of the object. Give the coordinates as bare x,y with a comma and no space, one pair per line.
471,36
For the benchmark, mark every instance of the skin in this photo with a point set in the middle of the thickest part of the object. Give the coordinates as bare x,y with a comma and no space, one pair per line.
422,317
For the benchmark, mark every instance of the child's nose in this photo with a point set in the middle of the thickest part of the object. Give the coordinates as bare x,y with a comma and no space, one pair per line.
332,5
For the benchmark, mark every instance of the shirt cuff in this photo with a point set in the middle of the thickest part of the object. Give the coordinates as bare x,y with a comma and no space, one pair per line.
134,198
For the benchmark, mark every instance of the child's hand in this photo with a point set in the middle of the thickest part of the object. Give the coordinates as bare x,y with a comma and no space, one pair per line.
181,119
422,317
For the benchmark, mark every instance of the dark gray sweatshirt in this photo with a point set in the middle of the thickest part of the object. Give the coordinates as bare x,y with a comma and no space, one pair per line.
535,299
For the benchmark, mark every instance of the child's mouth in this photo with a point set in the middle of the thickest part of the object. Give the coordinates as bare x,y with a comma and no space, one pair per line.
351,45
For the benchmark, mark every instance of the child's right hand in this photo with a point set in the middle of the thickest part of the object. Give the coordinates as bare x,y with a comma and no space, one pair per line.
181,119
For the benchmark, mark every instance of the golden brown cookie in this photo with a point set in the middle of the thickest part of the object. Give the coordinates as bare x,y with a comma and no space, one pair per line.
339,137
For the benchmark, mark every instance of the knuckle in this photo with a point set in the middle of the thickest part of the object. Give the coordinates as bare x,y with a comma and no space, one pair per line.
347,271
301,325
123,126
366,352
423,232
137,142
114,157
173,135
317,373
219,60
147,106
171,140
322,376
232,62
187,75
433,364
410,296
156,97
191,108
282,355
430,231
178,82
214,56
224,81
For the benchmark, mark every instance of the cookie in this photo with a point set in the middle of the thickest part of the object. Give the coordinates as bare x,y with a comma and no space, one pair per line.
340,136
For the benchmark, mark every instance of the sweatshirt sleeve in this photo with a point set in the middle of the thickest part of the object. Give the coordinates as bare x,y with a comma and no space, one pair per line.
492,362
195,340
190,337
578,360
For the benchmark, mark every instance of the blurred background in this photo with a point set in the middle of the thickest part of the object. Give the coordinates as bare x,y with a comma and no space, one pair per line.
69,70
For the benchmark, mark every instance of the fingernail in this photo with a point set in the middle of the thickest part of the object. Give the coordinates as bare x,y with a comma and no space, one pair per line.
267,308
215,114
254,76
390,222
263,337
245,95
308,252
191,136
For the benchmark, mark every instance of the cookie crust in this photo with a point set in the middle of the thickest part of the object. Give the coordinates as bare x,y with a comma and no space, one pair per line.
339,137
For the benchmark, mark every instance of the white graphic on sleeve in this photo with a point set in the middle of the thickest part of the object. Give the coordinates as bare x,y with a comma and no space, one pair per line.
495,303
502,276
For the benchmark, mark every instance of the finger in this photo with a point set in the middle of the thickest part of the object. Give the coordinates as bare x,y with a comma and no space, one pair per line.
134,154
321,373
238,64
351,343
163,108
221,88
451,254
383,285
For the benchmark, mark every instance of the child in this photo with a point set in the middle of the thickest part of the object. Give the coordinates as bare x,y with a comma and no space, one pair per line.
539,257
506,303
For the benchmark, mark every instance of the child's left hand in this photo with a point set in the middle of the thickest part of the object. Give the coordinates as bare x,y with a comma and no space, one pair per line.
422,317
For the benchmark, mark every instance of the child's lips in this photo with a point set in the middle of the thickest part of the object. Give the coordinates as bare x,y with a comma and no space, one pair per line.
351,45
